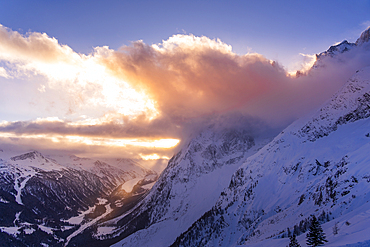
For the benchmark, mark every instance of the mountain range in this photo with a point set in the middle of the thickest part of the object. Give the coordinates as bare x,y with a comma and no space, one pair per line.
45,200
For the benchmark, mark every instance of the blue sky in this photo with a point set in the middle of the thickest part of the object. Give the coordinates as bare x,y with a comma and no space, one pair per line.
279,30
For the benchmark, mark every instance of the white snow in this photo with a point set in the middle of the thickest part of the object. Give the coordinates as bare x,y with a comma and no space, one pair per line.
357,232
18,186
12,230
102,230
88,224
3,200
29,230
46,229
102,201
129,185
76,220
148,186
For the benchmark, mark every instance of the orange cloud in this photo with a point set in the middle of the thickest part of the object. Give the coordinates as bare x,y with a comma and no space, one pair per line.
190,76
36,46
83,81
162,91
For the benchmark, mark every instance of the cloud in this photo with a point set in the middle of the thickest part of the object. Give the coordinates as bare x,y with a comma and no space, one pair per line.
166,90
84,83
106,139
190,77
35,47
3,73
366,24
140,127
307,61
78,146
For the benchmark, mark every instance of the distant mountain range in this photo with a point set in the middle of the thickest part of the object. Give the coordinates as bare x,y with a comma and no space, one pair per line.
43,200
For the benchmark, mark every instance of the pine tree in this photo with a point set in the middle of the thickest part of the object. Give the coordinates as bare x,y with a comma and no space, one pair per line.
293,242
315,236
335,228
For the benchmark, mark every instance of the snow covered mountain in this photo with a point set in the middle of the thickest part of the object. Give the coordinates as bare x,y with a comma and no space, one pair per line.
317,166
364,38
335,51
43,201
187,188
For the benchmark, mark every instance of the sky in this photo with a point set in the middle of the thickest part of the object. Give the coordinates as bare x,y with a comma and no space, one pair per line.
133,78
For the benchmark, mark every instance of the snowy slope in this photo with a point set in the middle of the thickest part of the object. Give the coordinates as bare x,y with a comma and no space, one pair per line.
187,188
319,165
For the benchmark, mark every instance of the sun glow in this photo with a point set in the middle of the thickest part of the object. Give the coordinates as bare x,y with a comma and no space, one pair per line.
153,157
303,66
89,79
161,143
98,141
83,81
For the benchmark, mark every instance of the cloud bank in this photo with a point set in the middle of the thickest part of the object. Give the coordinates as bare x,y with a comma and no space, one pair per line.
190,77
152,92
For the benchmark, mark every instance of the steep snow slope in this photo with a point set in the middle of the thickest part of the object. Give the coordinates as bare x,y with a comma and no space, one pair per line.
187,188
319,165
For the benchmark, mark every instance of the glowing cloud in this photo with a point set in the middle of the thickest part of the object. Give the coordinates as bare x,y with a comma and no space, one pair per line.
153,157
144,98
191,76
3,73
77,76
46,141
303,66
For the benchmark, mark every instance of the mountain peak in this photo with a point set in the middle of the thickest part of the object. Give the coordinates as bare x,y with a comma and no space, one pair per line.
31,155
364,37
337,49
